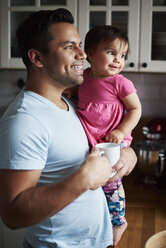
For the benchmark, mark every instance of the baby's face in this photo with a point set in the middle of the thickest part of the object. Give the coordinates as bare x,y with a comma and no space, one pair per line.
108,58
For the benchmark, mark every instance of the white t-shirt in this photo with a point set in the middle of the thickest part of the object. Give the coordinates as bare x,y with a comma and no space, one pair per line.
35,135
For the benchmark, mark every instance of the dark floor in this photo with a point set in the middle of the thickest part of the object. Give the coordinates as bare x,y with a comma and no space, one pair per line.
145,210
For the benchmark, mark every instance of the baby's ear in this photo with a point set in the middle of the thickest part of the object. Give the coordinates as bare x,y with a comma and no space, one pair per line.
90,55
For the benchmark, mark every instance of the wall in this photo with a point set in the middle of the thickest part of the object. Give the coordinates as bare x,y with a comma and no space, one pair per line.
8,86
151,89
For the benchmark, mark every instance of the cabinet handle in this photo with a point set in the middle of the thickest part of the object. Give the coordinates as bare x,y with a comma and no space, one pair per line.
131,64
144,65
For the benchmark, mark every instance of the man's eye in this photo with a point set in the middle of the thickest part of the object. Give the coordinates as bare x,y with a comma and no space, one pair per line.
110,52
69,47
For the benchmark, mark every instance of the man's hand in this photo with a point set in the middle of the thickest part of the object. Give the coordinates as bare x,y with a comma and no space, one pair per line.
125,164
97,169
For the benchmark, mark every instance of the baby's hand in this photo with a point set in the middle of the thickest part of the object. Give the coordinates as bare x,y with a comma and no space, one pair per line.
115,136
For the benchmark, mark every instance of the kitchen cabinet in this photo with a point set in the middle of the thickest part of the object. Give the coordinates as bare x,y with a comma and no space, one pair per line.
153,36
123,14
12,12
142,20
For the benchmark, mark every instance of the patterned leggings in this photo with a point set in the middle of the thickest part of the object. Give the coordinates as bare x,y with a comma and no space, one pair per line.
115,196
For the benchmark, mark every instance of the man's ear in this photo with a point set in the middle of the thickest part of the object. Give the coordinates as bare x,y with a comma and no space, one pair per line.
34,57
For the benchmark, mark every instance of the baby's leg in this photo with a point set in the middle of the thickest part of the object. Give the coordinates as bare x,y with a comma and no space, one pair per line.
117,233
116,203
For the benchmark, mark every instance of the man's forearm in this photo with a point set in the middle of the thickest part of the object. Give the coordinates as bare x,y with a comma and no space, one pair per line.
24,204
39,203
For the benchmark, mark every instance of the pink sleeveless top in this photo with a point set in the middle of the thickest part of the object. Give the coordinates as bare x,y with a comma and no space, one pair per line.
100,108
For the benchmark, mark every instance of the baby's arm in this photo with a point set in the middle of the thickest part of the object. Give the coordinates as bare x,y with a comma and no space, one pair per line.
71,93
130,120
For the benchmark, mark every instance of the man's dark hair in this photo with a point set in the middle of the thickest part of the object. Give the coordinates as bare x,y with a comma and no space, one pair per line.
34,32
105,33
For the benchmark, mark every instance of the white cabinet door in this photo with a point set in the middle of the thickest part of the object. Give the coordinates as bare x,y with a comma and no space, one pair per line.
12,12
145,23
10,238
123,14
153,36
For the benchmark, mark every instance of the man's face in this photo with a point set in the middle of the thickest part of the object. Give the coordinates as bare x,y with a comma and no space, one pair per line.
64,61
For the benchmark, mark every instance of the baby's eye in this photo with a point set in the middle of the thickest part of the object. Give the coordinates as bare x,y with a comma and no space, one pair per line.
122,56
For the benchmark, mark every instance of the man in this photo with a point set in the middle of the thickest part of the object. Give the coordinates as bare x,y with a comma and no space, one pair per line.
48,182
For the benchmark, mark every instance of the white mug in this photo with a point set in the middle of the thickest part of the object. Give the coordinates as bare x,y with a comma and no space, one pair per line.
111,151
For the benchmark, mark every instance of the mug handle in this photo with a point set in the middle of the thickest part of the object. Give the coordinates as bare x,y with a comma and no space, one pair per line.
101,153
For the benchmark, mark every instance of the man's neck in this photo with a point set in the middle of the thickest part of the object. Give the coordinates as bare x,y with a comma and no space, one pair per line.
50,91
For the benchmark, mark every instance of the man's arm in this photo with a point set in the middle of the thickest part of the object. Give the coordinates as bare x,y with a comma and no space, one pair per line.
23,204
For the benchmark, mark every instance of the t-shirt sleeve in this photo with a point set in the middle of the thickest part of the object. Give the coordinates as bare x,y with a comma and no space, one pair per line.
124,87
23,143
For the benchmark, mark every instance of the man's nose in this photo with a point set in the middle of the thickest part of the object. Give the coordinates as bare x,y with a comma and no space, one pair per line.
81,54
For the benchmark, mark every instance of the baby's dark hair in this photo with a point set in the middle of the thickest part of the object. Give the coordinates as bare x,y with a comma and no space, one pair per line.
34,32
106,33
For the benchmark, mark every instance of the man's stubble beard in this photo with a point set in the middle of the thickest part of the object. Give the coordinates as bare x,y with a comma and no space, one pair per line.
68,81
